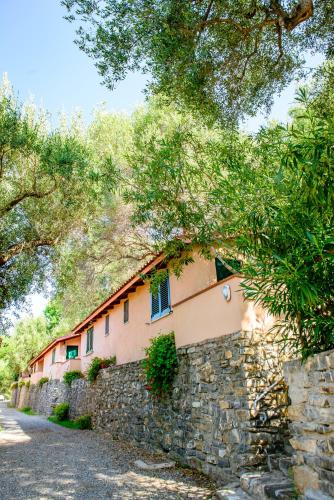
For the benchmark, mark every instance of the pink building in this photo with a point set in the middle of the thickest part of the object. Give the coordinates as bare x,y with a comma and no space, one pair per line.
205,302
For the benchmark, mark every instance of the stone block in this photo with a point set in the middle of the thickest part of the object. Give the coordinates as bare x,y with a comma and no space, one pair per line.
305,477
311,494
304,444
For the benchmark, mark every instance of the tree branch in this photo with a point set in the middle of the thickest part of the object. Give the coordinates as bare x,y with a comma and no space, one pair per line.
23,196
25,246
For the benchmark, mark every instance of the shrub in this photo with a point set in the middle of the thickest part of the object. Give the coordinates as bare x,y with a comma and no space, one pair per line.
84,422
26,409
160,364
72,375
61,411
14,385
28,384
42,381
98,364
21,383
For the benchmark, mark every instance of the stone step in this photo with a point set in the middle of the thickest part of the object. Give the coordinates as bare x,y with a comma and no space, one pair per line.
281,463
232,493
267,485
285,465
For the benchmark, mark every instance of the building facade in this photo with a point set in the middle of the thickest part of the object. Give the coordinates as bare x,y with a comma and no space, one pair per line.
204,302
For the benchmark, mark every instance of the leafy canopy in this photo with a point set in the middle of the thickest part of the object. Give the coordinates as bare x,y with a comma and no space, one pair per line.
49,187
223,57
267,200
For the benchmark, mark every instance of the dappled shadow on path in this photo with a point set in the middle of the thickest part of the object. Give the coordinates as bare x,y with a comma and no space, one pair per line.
50,462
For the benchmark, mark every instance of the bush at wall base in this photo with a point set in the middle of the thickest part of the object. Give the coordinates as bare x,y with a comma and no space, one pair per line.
84,422
61,411
72,375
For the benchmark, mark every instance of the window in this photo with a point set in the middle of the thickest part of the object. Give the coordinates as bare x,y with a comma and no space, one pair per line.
89,345
53,356
160,303
126,311
72,351
222,272
106,326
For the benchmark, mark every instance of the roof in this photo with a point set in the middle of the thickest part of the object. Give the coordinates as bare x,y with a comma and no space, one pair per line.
122,292
51,345
129,286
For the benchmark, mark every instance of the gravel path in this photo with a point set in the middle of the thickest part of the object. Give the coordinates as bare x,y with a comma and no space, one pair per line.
41,460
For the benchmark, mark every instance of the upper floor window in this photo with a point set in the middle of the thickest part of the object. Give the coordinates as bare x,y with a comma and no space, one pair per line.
53,356
126,311
89,344
160,302
106,325
222,271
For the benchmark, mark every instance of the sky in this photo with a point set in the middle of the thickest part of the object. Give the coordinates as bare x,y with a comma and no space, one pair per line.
41,60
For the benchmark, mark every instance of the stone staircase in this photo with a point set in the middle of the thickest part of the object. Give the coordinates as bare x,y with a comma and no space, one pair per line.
273,483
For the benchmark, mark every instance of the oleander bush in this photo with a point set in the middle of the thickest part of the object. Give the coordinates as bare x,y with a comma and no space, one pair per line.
61,411
72,375
160,364
98,364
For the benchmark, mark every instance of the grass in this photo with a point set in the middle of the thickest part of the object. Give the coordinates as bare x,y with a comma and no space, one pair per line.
70,424
28,411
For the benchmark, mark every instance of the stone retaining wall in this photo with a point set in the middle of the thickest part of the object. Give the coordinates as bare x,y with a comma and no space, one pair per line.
208,421
311,390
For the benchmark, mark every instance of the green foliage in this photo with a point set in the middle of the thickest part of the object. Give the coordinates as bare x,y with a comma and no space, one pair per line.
61,411
72,375
52,315
21,384
28,338
223,58
28,384
69,424
28,410
98,364
14,385
42,381
160,364
84,422
49,188
265,200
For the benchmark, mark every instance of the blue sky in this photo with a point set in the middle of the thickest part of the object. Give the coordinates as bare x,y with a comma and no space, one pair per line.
38,53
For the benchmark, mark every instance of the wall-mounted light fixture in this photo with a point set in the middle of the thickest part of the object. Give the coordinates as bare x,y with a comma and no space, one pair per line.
226,291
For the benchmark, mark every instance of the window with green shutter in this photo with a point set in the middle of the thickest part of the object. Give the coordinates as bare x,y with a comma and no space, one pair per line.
106,325
89,344
160,302
72,351
126,311
222,272
53,356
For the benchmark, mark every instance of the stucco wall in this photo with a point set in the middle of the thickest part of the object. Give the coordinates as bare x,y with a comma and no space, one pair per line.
208,420
311,391
206,315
